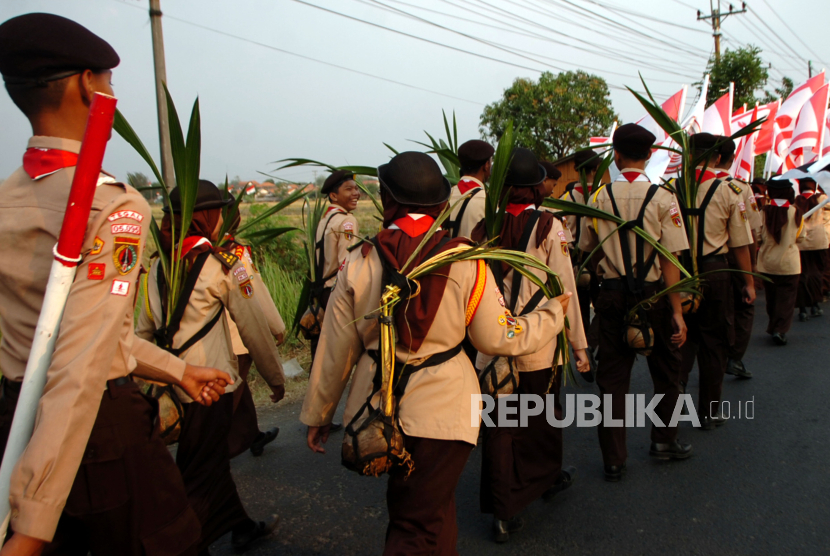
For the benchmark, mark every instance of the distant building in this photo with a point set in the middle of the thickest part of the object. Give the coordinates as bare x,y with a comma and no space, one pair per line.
567,166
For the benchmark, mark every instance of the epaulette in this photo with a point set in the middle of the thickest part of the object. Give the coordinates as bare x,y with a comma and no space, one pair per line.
734,187
227,258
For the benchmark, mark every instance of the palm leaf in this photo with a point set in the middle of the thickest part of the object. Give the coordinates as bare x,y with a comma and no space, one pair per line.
299,194
261,237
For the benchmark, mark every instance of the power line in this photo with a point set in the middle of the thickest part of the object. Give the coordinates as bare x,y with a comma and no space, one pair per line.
781,19
303,56
797,55
618,9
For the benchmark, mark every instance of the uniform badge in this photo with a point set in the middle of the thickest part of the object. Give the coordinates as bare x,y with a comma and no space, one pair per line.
562,236
227,259
120,287
241,274
129,214
247,289
753,203
125,254
511,321
500,296
742,208
96,271
97,246
518,329
132,229
675,216
510,334
502,320
564,246
348,227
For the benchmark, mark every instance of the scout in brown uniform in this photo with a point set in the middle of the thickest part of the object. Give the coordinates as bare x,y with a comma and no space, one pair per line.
812,251
476,159
722,226
552,175
433,412
778,258
198,332
522,464
628,278
743,312
85,469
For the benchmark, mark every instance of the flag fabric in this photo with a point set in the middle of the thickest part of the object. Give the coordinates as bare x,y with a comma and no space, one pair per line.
766,136
717,119
808,134
693,121
742,167
826,150
790,108
250,190
673,107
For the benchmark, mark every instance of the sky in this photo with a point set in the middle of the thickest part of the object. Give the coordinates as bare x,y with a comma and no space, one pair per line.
292,78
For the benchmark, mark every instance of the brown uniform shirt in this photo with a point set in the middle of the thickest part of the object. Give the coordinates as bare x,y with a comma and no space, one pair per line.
216,289
727,223
553,252
781,259
753,213
815,235
571,220
662,220
474,212
96,342
340,229
437,403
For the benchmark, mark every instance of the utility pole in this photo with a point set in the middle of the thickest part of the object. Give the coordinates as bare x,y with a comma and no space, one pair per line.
167,171
810,68
717,16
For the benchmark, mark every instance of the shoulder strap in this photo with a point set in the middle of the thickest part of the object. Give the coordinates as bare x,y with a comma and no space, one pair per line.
636,272
523,242
700,212
321,257
455,225
164,335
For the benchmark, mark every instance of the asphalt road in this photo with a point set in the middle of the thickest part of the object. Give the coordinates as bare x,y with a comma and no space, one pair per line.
756,486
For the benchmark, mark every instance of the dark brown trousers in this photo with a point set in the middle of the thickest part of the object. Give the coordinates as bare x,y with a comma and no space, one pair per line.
781,292
809,286
422,506
204,461
710,332
587,297
743,313
616,360
520,463
128,497
244,425
825,275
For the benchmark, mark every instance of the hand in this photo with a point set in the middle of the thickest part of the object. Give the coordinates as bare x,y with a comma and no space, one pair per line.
748,294
564,300
278,393
280,338
678,324
204,384
21,545
316,437
583,364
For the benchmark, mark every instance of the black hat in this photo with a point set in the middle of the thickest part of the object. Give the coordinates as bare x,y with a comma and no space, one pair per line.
414,179
759,181
700,142
208,197
726,147
552,171
587,160
779,183
474,153
335,179
37,48
633,141
525,170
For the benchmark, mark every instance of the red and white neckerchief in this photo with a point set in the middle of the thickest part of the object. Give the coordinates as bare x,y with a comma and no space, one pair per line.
192,242
413,225
634,175
516,209
722,175
333,208
783,203
808,194
707,175
465,185
39,163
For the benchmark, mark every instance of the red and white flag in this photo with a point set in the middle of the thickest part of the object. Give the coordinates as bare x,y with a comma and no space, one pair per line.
742,167
788,113
826,150
808,134
766,136
693,122
673,107
717,119
251,189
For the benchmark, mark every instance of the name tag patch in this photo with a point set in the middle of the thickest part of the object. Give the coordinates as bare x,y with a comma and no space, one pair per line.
133,229
130,214
240,274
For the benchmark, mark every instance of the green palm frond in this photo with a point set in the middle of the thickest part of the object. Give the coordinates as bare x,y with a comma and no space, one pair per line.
495,201
268,213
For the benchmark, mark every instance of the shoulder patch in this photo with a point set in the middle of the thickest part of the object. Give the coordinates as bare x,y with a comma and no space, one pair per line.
247,289
735,187
125,253
227,259
97,246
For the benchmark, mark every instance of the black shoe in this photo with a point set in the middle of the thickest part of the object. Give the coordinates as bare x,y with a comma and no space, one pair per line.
779,338
816,311
614,473
737,368
335,427
502,528
803,316
566,479
243,541
263,438
671,450
709,423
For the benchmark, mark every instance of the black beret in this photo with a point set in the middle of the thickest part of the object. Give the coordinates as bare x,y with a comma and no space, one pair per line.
335,179
208,196
36,48
414,179
525,170
587,159
474,153
633,141
726,147
703,141
551,170
759,181
779,183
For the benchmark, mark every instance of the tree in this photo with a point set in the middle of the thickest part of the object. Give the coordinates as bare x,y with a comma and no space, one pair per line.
554,116
781,92
140,181
744,68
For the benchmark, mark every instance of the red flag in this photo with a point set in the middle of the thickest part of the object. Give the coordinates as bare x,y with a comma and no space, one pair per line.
809,128
766,136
